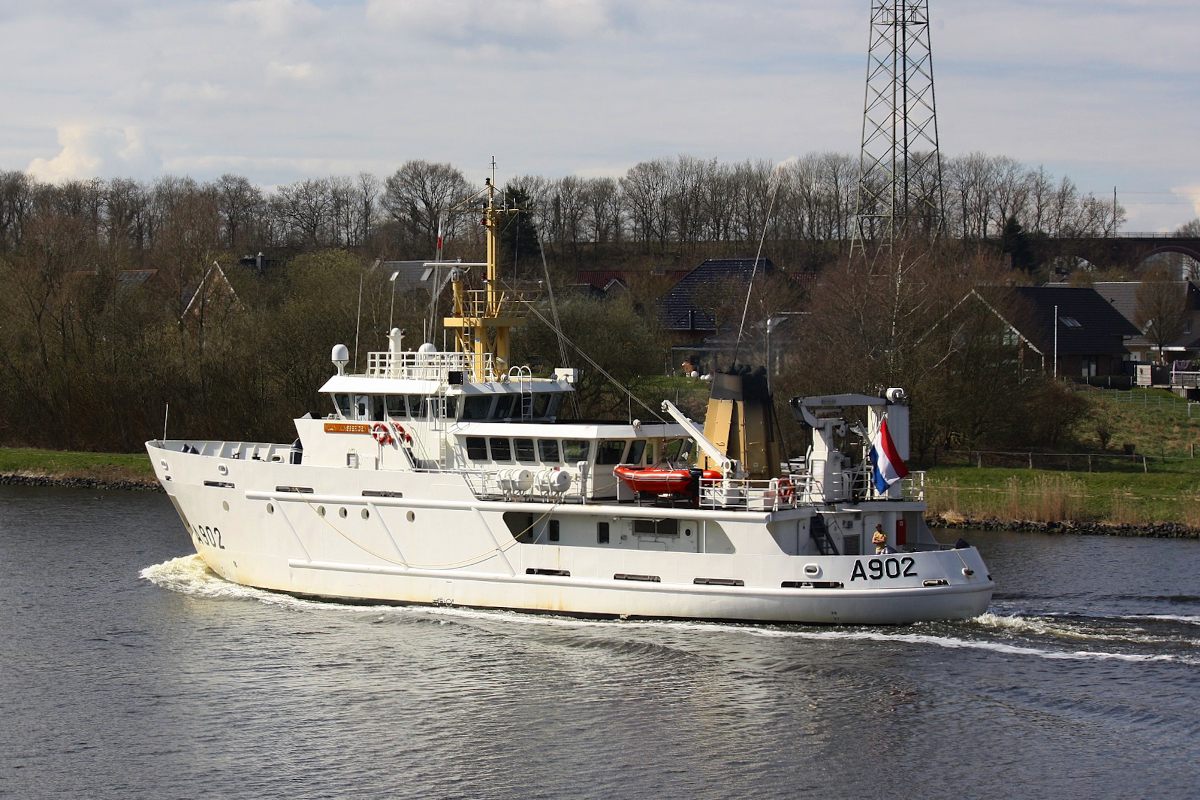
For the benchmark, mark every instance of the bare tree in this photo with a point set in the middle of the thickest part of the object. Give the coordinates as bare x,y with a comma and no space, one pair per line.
239,203
418,197
1162,309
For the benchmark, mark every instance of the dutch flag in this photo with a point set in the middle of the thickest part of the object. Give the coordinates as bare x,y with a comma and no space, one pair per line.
887,466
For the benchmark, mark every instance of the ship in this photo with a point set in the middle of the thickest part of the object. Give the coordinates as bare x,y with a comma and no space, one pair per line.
450,477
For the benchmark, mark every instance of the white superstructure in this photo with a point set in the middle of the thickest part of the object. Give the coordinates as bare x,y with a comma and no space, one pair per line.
449,478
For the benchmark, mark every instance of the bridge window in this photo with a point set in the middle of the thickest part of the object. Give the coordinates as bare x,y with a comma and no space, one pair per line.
344,407
525,451
476,406
541,404
416,405
504,406
575,450
501,449
476,448
636,451
396,406
609,451
548,450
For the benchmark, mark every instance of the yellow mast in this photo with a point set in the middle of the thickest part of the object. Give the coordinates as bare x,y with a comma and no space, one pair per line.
482,319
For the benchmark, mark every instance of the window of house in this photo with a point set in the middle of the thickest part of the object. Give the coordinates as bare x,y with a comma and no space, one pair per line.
476,448
501,449
525,451
548,450
1070,322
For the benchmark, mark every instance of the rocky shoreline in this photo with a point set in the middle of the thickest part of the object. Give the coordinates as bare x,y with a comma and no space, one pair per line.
1157,530
41,479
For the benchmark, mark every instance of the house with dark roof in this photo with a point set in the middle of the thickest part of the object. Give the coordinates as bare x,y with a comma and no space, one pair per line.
1122,295
692,307
1074,330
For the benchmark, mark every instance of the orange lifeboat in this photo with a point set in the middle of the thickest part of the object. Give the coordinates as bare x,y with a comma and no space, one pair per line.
661,481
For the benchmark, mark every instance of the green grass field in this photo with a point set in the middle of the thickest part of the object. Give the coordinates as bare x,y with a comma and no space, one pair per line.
108,467
1169,492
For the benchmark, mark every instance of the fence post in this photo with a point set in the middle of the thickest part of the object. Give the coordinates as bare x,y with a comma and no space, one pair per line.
1145,466
1031,460
1089,462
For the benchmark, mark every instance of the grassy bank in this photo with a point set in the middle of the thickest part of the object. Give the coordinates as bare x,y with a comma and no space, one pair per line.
1169,492
65,465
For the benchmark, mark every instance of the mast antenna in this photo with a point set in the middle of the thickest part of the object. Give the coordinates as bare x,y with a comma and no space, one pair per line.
900,167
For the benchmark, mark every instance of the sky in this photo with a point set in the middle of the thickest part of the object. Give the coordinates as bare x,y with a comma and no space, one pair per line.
279,90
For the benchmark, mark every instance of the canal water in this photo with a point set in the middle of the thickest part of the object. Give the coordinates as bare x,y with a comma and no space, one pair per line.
129,671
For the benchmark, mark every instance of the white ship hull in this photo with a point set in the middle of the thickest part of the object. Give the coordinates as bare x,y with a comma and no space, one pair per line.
426,538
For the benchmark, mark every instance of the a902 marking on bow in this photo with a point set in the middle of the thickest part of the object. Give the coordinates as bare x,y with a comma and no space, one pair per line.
879,568
208,536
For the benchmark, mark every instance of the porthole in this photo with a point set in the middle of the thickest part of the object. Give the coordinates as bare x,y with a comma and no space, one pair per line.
320,511
411,516
342,513
270,508
366,513
225,504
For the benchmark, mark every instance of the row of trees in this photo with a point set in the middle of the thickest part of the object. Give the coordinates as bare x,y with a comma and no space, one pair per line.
90,358
659,207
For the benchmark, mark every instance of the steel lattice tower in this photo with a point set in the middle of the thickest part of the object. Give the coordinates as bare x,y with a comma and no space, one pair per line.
900,168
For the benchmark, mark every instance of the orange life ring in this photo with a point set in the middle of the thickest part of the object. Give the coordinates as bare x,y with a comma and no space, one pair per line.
381,433
786,490
401,434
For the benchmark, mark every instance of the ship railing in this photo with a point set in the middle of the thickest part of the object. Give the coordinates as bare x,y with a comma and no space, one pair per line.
418,366
911,488
773,494
476,303
244,451
800,489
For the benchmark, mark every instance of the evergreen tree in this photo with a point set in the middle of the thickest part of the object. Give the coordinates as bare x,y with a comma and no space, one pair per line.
519,245
1015,243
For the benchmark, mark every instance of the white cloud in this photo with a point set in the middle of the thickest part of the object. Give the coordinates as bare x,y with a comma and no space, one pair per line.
289,72
1192,194
89,151
513,24
275,17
